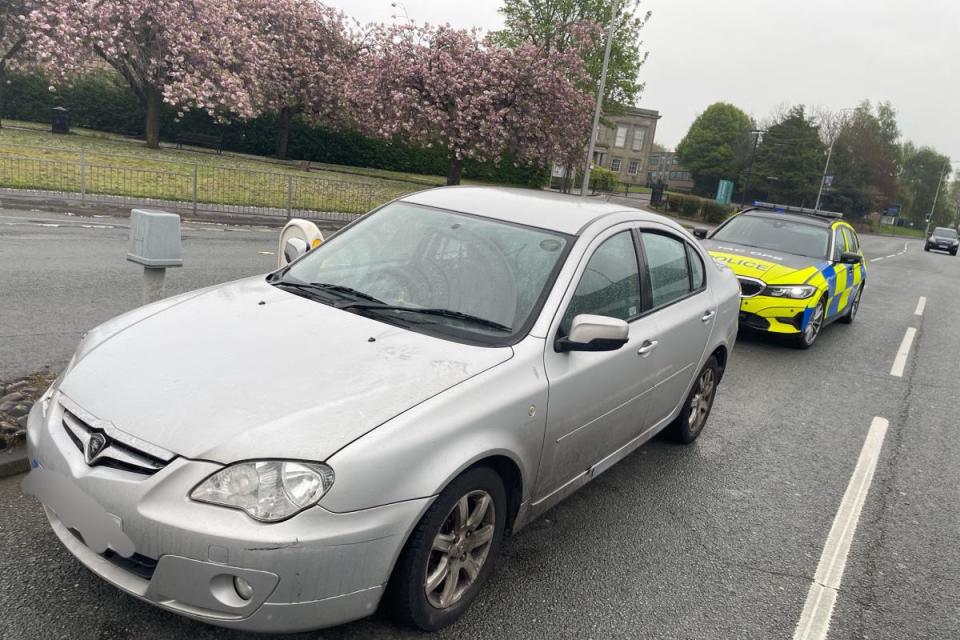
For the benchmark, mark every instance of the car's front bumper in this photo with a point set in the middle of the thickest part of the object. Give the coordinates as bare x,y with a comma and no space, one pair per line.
777,315
314,570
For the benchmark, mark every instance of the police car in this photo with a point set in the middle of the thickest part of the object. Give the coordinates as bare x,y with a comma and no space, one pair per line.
799,269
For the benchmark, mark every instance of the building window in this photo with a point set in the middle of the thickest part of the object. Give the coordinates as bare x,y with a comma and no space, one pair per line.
615,165
638,136
654,161
621,139
634,167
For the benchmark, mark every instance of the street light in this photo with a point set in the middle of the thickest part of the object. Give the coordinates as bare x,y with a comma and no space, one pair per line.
826,167
611,28
753,156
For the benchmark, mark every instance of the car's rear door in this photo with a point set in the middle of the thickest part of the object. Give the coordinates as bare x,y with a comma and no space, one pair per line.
685,313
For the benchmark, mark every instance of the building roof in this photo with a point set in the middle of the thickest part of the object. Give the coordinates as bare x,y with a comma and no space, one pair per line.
555,211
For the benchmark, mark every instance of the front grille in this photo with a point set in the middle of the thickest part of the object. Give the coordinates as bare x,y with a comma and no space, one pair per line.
119,450
750,287
754,321
136,564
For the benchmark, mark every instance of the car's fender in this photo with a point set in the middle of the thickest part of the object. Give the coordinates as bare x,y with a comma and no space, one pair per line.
501,412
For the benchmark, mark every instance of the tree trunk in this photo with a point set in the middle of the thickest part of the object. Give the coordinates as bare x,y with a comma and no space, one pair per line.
3,84
283,133
454,171
154,104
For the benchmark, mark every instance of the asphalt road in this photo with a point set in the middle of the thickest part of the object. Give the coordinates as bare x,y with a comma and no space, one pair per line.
717,540
63,275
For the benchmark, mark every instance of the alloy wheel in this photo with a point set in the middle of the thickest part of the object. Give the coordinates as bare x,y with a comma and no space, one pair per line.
702,400
460,549
813,326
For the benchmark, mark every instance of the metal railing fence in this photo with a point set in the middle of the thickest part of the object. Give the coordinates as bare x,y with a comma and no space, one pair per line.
193,187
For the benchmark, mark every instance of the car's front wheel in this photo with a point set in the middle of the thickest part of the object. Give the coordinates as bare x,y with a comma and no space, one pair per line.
806,338
451,553
688,425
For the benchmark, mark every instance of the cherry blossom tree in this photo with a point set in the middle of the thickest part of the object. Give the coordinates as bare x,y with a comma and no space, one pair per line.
435,85
16,36
307,47
188,53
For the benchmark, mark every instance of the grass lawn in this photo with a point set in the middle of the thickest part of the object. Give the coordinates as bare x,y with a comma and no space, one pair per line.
906,232
33,158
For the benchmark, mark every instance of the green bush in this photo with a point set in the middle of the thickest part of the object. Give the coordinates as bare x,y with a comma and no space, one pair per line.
714,212
101,100
604,180
690,206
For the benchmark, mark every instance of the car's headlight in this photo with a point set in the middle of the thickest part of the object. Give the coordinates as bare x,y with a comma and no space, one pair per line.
268,490
795,291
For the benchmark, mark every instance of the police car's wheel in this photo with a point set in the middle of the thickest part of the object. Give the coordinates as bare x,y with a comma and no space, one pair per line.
806,338
696,409
852,313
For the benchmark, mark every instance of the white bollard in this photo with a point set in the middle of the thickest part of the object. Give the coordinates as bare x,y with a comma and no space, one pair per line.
154,243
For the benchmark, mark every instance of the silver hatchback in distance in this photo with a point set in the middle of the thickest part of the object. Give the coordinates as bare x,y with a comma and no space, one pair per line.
287,452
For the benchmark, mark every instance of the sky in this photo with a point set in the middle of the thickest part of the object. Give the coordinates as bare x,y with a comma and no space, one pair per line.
761,54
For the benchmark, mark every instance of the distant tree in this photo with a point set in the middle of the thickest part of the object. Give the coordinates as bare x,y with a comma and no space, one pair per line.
188,53
790,159
303,70
553,26
716,147
866,161
452,88
918,182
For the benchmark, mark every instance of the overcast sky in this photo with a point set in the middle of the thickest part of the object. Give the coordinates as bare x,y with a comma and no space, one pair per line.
759,54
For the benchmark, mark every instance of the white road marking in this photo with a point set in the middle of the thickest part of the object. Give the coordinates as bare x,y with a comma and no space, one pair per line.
894,255
876,259
265,253
921,305
900,362
814,621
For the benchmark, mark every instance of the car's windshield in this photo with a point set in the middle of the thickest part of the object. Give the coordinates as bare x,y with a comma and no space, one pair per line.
424,262
777,234
944,232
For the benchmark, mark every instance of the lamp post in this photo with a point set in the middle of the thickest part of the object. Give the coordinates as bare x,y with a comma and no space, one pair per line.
753,156
826,166
611,28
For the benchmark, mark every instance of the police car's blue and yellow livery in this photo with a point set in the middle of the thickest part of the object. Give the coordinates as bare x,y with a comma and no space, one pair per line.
799,269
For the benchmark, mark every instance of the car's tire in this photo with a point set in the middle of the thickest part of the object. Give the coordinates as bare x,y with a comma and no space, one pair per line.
851,313
926,247
410,598
954,252
806,338
687,426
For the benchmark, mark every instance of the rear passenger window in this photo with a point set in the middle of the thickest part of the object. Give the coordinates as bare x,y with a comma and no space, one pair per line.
696,269
667,261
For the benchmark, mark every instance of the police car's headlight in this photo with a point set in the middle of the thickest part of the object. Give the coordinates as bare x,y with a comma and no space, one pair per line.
797,291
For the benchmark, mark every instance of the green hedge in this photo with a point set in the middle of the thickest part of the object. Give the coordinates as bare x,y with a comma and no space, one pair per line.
102,101
695,207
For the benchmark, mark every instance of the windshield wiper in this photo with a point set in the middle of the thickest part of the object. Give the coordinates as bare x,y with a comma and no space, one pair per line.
327,287
428,311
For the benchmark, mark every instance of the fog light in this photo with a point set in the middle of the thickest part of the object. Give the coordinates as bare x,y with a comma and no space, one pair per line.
244,588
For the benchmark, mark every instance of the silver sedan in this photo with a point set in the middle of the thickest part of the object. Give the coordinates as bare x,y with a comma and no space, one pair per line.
364,426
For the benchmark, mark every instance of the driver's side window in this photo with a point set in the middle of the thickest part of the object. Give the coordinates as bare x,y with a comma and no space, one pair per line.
610,285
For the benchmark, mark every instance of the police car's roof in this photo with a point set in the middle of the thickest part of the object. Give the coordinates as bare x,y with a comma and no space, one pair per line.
555,211
795,217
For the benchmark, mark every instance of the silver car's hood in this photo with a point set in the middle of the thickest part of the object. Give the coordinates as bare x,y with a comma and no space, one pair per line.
246,370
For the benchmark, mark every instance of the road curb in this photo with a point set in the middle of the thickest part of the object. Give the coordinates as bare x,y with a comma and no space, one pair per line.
13,462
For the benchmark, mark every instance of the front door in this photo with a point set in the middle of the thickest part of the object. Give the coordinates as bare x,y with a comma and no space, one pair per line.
597,400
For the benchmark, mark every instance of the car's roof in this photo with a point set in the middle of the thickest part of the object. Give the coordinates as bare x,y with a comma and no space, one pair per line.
795,217
555,211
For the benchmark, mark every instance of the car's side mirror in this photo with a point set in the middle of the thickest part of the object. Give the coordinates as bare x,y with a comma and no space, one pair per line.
700,233
595,333
849,257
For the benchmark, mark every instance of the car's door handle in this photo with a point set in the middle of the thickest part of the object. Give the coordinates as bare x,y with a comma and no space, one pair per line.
647,347
708,315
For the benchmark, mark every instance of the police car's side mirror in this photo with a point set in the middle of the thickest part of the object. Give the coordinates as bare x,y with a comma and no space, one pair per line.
700,233
849,257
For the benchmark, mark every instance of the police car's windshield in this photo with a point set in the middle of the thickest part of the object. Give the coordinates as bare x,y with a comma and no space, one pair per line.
777,234
944,232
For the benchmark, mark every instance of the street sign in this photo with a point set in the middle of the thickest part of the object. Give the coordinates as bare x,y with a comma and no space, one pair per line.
895,210
828,181
724,191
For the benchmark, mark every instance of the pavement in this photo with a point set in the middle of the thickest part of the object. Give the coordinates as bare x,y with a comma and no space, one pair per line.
721,539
